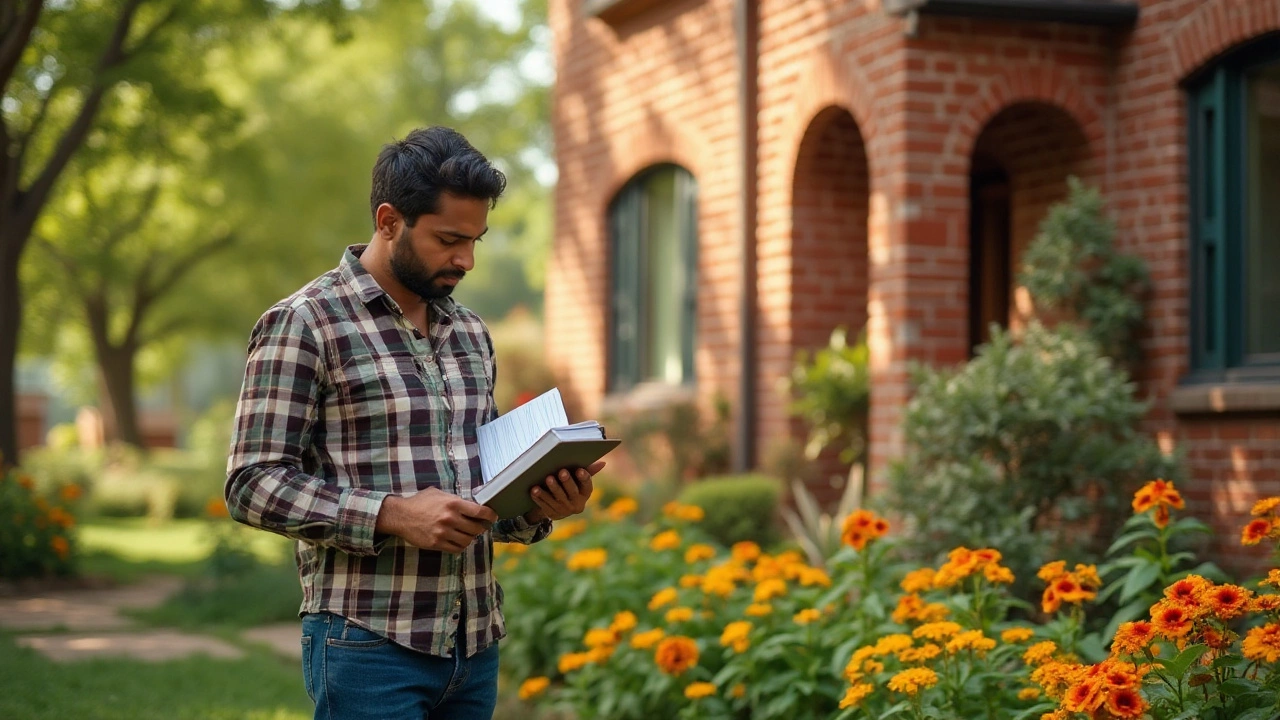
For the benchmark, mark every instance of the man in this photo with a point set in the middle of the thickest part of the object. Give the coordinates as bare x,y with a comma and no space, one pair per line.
356,435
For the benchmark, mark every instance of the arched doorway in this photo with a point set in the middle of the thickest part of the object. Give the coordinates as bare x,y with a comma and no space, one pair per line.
1019,168
829,267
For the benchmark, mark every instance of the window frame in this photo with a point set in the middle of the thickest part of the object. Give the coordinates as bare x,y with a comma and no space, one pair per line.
628,325
1216,125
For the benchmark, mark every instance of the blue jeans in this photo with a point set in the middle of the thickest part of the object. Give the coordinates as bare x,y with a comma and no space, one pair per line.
354,674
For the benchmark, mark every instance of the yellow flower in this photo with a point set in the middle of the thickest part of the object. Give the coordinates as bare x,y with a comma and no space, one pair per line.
758,609
621,508
1040,653
699,551
1273,578
1226,601
814,576
1265,506
912,680
806,616
573,661
720,580
1262,643
745,551
890,644
566,529
589,559
623,621
1017,635
676,654
856,694
918,580
600,654
736,635
679,614
1256,531
666,540
861,527
970,640
1052,571
599,637
770,589
936,630
690,581
533,687
998,575
688,513
665,596
647,639
699,690
1029,693
924,653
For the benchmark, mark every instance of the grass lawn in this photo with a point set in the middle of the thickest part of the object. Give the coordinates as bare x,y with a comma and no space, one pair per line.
125,549
258,687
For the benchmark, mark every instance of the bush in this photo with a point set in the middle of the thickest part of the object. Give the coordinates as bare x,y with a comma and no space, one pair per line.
667,436
737,507
1026,442
832,395
36,538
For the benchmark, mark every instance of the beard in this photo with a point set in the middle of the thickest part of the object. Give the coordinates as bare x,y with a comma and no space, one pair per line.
412,273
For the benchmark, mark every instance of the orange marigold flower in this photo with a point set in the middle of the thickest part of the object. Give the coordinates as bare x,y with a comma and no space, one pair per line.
806,616
758,609
924,653
1170,621
1187,591
745,551
1126,703
810,577
739,691
1049,601
1143,500
970,640
908,606
665,596
690,581
1017,635
719,581
736,635
566,529
573,661
1227,601
1133,637
599,637
1262,643
533,687
26,482
600,654
1052,571
1265,603
621,508
589,559
1040,653
1084,697
769,589
1273,578
676,654
70,493
647,639
699,690
699,551
1255,532
665,540
856,694
987,556
918,580
1265,506
998,574
623,622
912,680
936,630
1029,694
679,614
1161,518
1087,575
890,644
60,546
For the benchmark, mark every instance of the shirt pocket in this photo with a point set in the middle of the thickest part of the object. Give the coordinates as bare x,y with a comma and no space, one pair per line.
379,403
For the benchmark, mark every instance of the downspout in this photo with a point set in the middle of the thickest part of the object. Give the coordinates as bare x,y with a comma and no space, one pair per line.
747,32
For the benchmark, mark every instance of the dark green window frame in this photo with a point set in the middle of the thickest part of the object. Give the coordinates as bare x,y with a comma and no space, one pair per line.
1219,185
634,277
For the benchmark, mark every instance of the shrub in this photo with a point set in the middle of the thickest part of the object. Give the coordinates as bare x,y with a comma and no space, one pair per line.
832,392
1026,441
36,538
737,507
667,435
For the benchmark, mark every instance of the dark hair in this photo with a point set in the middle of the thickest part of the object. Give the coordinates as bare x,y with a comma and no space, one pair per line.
411,173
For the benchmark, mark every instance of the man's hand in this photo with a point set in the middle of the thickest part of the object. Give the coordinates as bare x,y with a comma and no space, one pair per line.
435,520
561,495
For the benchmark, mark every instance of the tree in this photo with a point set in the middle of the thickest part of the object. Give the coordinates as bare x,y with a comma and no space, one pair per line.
60,63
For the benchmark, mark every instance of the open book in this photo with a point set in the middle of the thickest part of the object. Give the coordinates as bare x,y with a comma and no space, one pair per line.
521,448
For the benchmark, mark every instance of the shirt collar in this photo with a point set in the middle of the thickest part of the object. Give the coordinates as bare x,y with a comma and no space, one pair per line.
368,289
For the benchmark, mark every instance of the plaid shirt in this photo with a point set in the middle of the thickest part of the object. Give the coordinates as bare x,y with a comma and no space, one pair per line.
345,402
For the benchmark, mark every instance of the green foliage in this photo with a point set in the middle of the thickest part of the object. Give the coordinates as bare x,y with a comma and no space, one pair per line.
522,365
671,441
737,507
1072,266
818,533
1004,450
832,392
35,528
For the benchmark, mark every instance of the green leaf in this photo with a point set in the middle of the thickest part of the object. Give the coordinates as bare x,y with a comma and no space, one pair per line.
1129,537
1179,665
1267,713
1237,686
1139,579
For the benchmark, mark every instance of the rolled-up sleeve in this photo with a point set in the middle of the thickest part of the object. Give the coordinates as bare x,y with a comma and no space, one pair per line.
267,486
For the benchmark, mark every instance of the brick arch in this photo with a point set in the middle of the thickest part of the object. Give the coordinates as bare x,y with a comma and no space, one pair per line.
826,82
1215,27
1045,84
651,144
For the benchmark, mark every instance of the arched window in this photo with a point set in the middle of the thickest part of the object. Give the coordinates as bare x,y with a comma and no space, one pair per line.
1234,134
654,253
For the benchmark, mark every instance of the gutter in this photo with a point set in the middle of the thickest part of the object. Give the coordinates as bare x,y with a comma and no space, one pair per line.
747,31
1080,12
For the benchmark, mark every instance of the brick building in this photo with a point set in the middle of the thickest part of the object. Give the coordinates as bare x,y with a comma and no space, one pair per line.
795,165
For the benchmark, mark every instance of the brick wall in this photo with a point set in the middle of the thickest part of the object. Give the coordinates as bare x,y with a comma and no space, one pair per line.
841,84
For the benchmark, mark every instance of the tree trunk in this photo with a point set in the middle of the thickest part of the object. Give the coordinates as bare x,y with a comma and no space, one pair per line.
118,381
10,326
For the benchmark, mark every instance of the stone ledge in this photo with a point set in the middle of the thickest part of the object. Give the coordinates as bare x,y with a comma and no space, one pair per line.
1214,398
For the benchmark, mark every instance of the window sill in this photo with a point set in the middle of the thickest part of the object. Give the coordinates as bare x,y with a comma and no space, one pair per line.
1219,398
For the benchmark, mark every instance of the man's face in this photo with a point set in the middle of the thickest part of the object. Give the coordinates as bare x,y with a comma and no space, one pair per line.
431,257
